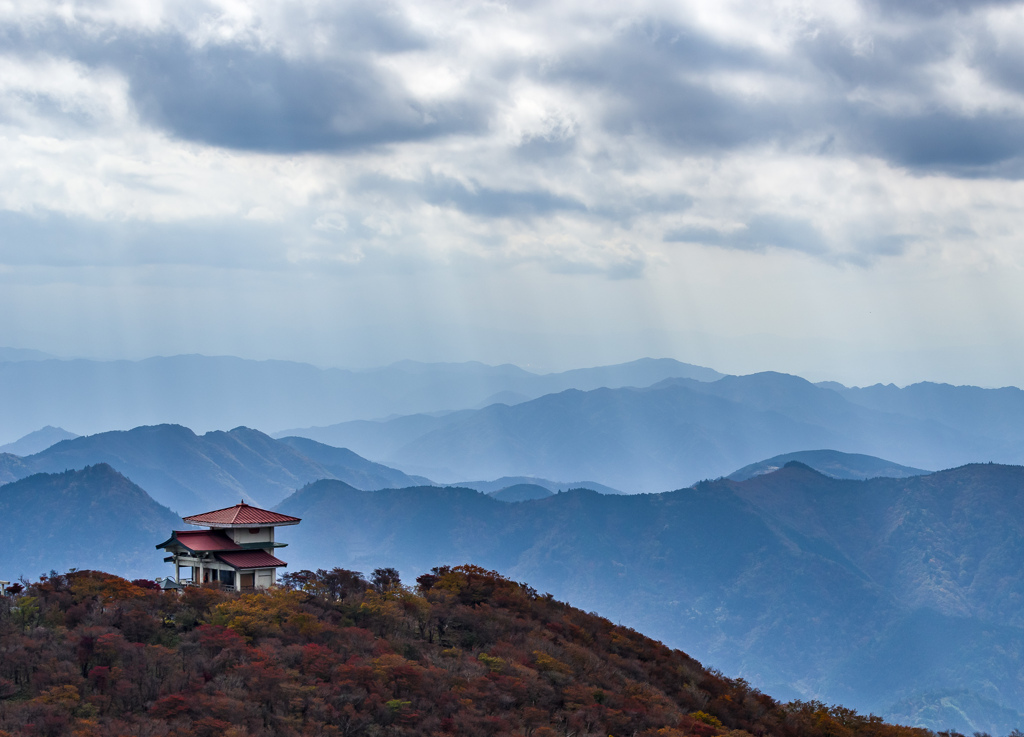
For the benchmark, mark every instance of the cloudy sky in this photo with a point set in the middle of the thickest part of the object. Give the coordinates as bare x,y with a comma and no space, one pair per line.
830,189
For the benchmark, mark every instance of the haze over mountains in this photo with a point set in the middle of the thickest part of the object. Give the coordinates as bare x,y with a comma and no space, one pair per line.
679,431
648,425
220,392
632,438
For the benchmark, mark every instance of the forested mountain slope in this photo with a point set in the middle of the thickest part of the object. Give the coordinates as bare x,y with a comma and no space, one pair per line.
465,653
949,541
11,468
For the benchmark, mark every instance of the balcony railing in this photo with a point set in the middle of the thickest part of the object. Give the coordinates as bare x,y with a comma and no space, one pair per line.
219,585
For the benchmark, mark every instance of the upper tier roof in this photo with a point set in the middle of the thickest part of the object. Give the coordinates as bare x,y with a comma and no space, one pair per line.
241,515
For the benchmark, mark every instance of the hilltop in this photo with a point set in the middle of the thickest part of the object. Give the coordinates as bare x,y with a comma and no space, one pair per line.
91,517
467,652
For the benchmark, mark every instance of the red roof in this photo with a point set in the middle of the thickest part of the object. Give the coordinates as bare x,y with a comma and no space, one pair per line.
199,541
251,559
241,515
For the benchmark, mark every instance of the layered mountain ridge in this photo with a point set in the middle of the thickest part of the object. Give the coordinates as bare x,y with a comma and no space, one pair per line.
678,431
191,473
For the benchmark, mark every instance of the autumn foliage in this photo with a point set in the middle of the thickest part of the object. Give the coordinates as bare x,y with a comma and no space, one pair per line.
467,652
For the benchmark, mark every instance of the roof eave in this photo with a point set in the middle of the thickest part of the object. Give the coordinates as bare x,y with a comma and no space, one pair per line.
171,541
279,564
231,525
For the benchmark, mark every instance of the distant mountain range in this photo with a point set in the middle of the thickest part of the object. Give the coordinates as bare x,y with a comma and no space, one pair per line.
91,518
678,431
831,463
648,425
207,392
897,596
192,473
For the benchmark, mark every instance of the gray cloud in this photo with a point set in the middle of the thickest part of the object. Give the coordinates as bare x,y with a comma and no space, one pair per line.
488,202
932,8
983,145
478,200
1001,65
239,96
541,148
923,136
655,81
835,66
642,72
652,78
761,232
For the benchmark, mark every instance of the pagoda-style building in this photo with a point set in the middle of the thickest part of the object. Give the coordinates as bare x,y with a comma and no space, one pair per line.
236,550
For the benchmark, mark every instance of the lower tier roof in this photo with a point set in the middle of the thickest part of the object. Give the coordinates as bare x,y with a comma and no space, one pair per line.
246,559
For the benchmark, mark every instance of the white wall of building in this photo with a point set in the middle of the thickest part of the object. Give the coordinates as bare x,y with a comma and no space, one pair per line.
251,534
